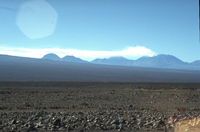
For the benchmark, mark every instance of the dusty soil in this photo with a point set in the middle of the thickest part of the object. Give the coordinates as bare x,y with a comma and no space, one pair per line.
82,106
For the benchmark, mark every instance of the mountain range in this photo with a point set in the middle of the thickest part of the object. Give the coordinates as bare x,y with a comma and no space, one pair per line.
159,61
117,69
69,58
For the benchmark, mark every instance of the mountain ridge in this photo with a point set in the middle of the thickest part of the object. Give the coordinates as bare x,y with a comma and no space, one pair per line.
158,61
113,61
69,58
161,61
14,68
51,56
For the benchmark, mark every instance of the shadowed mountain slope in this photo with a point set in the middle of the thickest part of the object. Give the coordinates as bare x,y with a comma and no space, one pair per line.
27,69
167,61
70,58
114,61
196,63
51,56
159,61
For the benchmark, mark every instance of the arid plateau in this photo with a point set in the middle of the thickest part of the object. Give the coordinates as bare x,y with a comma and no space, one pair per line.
98,106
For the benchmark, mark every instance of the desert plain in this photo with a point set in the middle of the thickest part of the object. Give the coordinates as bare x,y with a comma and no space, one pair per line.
99,106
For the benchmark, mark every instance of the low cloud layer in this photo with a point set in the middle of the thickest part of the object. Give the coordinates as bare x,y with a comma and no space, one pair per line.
130,52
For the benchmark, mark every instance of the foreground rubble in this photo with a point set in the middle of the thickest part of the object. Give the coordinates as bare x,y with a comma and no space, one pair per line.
110,107
115,120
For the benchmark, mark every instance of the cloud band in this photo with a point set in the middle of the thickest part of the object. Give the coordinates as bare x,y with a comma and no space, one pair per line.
130,52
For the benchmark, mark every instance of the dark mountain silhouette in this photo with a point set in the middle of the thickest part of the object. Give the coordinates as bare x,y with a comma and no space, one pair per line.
51,56
118,60
28,69
70,58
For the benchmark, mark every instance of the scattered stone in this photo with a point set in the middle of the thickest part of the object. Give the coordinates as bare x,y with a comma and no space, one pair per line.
97,111
57,122
31,127
13,121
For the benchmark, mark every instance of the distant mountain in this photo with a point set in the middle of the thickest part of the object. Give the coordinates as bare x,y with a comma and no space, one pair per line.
118,60
196,63
70,58
14,68
161,61
51,56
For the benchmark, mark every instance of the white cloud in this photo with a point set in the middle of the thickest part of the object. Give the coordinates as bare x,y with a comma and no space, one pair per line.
130,52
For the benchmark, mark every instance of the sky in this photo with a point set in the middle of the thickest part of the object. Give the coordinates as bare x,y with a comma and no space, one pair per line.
91,29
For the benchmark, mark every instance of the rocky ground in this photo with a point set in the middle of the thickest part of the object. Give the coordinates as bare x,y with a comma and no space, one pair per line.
85,107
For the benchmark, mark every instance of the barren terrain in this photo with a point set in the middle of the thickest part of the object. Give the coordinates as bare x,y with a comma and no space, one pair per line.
84,106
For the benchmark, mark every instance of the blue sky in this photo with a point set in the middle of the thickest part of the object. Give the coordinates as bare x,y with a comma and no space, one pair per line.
101,28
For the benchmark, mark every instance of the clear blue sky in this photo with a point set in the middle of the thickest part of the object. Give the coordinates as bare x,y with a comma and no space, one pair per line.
108,26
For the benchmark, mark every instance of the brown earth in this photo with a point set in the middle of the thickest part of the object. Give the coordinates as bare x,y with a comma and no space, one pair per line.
99,106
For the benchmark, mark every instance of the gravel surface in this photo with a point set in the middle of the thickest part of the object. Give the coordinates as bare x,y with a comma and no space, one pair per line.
85,107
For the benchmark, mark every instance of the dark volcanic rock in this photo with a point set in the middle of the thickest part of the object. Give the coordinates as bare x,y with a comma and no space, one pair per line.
110,120
57,122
